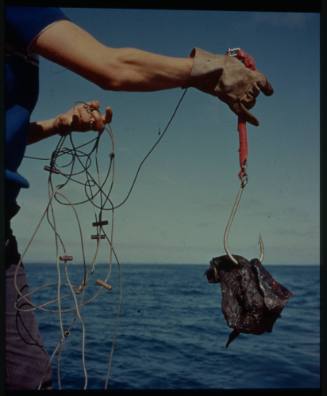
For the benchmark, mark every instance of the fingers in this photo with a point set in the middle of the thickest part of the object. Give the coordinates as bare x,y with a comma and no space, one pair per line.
248,100
243,113
100,120
93,104
247,116
264,84
98,124
255,90
87,117
108,115
82,120
241,107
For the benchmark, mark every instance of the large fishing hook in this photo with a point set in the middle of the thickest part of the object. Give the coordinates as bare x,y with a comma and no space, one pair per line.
249,62
230,221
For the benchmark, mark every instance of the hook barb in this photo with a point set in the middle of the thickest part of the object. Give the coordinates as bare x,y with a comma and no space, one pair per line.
262,249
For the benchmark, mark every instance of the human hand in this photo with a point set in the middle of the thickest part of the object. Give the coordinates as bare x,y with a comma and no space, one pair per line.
230,80
81,118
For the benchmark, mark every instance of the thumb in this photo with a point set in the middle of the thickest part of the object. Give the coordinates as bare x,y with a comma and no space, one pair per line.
239,109
94,104
264,85
108,115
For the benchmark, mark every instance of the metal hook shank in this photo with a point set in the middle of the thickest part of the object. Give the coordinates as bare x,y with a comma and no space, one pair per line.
229,223
228,226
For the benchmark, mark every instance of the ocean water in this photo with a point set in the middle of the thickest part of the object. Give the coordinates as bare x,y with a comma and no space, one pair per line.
171,333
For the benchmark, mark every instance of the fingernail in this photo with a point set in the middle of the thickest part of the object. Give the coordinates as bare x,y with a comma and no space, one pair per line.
253,122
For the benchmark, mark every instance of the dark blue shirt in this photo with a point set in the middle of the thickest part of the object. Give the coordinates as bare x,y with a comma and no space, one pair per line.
22,25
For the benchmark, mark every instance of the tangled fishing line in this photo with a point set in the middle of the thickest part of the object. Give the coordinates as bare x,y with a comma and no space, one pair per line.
76,167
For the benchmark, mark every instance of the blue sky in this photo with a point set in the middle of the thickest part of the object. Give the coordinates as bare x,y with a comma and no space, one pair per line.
183,197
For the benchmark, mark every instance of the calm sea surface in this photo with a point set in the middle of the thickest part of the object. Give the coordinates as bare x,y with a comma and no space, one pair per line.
172,333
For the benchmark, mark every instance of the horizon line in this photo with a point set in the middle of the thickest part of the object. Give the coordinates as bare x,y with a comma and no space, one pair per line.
163,263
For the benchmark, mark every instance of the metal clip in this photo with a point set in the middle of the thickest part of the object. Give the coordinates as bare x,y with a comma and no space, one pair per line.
66,258
80,288
98,237
232,51
243,177
103,284
51,169
100,223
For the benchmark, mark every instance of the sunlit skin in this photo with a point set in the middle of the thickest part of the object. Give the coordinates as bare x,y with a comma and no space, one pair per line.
127,69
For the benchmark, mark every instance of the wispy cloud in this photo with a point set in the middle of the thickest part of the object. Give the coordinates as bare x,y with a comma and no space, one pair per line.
292,20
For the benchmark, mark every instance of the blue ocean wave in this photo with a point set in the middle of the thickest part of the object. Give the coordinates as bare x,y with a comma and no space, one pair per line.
172,333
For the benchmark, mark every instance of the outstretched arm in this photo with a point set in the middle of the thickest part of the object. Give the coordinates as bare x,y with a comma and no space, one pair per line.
131,69
127,69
